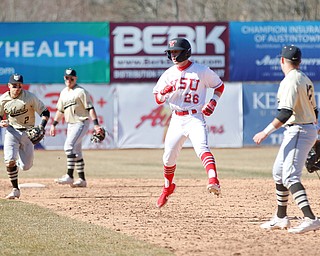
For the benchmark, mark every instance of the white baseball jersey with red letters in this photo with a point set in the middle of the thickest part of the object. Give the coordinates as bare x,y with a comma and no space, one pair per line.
190,85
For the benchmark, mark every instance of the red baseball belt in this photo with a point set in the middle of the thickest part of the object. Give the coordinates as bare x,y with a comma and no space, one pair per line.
185,112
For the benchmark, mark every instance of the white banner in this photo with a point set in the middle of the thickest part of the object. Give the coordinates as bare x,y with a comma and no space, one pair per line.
102,98
143,123
133,119
226,123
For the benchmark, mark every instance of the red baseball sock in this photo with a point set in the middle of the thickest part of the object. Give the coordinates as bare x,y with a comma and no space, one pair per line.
168,173
210,165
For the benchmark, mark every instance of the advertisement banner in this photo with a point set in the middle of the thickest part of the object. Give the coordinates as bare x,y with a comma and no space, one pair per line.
226,123
42,51
103,101
260,108
255,48
143,123
132,118
138,49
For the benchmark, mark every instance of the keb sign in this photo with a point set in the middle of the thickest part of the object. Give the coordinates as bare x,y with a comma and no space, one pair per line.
42,51
138,49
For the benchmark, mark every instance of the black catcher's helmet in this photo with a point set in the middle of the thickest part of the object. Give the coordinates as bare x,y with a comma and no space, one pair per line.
179,43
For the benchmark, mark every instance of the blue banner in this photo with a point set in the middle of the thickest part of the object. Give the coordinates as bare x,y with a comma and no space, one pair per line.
42,51
255,48
260,108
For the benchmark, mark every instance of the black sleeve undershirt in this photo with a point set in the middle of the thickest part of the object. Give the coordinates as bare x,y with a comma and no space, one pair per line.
284,115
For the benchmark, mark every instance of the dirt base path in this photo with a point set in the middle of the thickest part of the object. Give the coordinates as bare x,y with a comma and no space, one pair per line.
192,223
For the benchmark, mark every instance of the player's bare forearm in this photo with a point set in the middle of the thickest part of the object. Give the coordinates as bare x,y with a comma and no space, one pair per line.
93,114
58,117
94,117
276,123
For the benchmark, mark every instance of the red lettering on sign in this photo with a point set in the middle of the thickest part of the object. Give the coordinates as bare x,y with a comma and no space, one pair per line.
158,116
55,97
216,129
101,102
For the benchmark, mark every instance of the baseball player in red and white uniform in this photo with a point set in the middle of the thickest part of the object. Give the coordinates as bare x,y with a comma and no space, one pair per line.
76,107
184,86
20,107
298,114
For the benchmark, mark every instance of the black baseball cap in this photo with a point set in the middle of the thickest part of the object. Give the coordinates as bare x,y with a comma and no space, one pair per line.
291,52
16,79
70,72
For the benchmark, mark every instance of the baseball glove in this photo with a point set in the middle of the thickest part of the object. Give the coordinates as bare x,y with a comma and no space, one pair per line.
98,137
313,160
35,134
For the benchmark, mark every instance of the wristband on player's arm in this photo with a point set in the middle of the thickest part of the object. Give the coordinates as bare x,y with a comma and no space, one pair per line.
44,122
55,123
95,122
269,129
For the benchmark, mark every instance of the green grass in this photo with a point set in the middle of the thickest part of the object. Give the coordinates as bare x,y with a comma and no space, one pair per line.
147,163
28,229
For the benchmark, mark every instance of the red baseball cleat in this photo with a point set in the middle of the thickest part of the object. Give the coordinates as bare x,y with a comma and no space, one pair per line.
166,192
214,187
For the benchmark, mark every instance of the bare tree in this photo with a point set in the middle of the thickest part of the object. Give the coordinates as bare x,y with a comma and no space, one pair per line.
158,10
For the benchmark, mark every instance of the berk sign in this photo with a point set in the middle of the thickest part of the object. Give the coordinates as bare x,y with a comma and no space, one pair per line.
138,49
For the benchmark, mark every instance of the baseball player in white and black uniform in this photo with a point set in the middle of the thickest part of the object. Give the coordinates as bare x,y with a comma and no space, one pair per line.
76,107
298,114
19,107
184,86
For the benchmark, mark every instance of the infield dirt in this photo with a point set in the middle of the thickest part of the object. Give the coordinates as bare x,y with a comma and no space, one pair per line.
192,223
